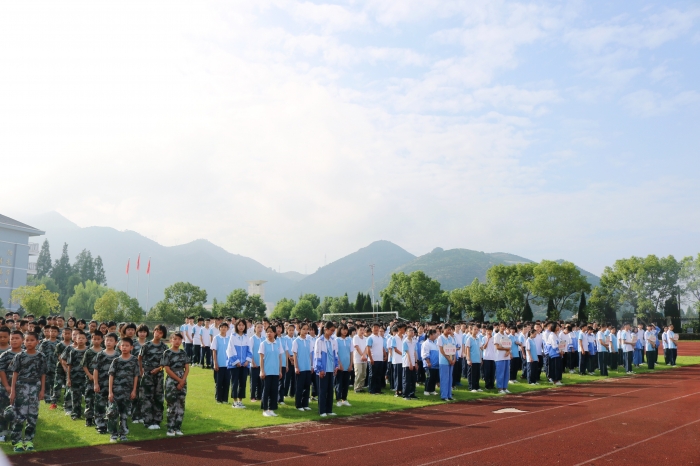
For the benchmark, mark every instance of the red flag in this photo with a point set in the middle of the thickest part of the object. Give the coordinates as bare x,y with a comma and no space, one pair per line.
148,267
138,263
127,266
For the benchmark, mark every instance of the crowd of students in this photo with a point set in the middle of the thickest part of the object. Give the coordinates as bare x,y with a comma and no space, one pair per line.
125,371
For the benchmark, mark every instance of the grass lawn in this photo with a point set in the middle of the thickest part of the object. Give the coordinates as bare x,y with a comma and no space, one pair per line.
203,415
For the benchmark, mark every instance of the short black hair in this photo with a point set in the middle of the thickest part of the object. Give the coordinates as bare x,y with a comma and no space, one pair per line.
127,340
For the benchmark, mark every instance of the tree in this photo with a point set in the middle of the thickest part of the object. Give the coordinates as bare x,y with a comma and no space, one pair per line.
527,315
36,300
50,284
2,306
367,307
61,270
43,262
508,286
312,298
582,317
165,311
106,306
180,300
99,275
551,310
255,307
559,283
359,302
602,305
340,305
303,310
234,305
283,309
417,295
484,302
84,266
82,304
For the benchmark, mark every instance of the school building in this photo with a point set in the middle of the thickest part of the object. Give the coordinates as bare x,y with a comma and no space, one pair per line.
15,250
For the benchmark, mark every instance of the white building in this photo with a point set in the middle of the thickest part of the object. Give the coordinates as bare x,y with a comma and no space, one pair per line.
15,250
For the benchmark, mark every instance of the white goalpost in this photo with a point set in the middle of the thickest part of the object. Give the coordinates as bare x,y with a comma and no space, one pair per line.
369,316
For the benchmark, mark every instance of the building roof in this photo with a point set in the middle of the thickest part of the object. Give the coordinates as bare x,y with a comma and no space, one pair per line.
12,224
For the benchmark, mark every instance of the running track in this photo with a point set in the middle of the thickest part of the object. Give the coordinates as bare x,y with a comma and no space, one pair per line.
637,420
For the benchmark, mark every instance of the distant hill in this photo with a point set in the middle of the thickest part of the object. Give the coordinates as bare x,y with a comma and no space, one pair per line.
199,262
294,276
454,268
352,274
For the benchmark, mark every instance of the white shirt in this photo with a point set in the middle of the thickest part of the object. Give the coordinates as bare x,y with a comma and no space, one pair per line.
197,338
396,344
490,350
362,344
501,355
538,344
206,336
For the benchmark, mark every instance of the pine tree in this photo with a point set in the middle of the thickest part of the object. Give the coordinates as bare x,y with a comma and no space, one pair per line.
61,270
99,273
368,305
527,312
359,302
551,311
582,314
43,262
84,266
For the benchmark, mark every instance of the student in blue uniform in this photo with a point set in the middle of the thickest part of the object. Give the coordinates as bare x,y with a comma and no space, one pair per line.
488,358
447,346
376,354
431,362
649,343
613,347
301,351
628,348
502,343
602,347
342,380
240,355
410,367
583,350
223,377
672,345
255,380
271,353
531,357
472,353
326,368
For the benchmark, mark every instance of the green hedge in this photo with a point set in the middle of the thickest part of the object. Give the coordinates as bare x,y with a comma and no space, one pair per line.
689,336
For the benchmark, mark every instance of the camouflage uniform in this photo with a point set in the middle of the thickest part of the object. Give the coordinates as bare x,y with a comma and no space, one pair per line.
78,380
123,371
136,410
151,386
174,397
86,363
48,349
28,368
59,381
5,363
102,363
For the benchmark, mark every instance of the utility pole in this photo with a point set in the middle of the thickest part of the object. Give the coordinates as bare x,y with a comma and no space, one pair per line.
371,266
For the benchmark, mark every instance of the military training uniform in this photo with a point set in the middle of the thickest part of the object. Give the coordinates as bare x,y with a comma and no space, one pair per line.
89,393
59,381
78,380
174,397
48,349
123,372
136,409
151,386
28,368
102,363
6,359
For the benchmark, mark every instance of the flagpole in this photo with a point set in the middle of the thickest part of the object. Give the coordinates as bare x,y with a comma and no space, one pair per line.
138,275
127,275
148,288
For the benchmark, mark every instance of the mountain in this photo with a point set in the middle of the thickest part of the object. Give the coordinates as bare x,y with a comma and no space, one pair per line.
454,268
352,273
294,276
199,262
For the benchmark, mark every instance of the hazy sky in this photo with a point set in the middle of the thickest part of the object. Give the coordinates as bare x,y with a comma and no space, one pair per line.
287,130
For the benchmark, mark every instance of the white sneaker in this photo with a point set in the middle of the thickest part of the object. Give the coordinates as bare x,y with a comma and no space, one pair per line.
179,432
170,433
267,414
346,403
513,381
273,414
479,390
433,393
558,383
473,391
323,415
533,383
426,394
332,414
339,404
307,409
301,409
2,438
507,391
137,421
282,403
154,427
501,392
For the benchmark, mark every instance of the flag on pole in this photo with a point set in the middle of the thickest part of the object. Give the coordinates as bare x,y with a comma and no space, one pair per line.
127,266
148,267
138,262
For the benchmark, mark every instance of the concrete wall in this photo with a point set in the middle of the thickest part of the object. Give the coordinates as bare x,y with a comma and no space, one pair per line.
14,260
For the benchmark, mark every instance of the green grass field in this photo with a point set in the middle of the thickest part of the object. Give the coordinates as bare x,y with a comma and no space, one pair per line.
204,415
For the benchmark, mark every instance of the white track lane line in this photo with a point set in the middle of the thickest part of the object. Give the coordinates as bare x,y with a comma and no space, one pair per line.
639,442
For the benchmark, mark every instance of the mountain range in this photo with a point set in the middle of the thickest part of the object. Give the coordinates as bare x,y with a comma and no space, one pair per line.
219,271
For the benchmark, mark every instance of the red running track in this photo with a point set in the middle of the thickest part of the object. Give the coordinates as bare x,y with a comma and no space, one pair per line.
635,420
688,348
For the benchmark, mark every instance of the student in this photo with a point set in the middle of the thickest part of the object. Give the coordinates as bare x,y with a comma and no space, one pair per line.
151,384
397,359
628,349
672,344
271,353
556,353
86,363
239,354
48,348
516,361
27,390
301,355
410,366
448,348
197,342
472,347
326,368
376,354
613,347
488,357
177,368
123,385
222,375
255,380
342,380
313,336
583,351
531,356
59,382
649,344
206,336
290,375
503,345
431,361
664,344
100,376
6,374
359,355
76,380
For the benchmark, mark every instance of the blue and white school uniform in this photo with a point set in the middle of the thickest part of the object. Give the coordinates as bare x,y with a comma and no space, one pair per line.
376,373
445,368
271,352
672,347
240,354
285,381
627,349
409,375
255,382
555,360
326,362
222,376
638,348
602,352
302,348
473,370
342,380
532,360
502,361
431,354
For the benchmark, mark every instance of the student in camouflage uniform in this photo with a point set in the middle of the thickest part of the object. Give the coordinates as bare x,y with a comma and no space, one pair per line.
151,386
48,349
177,368
100,375
123,384
60,377
6,378
76,379
142,333
86,364
28,385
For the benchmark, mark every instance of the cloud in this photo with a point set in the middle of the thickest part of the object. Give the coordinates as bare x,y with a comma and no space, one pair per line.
645,103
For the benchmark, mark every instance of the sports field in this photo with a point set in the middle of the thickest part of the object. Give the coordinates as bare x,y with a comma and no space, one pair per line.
604,415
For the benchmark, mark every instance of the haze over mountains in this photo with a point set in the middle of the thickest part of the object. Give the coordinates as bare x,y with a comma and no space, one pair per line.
219,271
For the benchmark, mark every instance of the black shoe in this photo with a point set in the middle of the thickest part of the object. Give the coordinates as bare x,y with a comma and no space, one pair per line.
74,417
101,430
89,422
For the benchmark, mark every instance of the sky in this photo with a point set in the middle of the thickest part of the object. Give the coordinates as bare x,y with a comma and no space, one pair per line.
298,132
